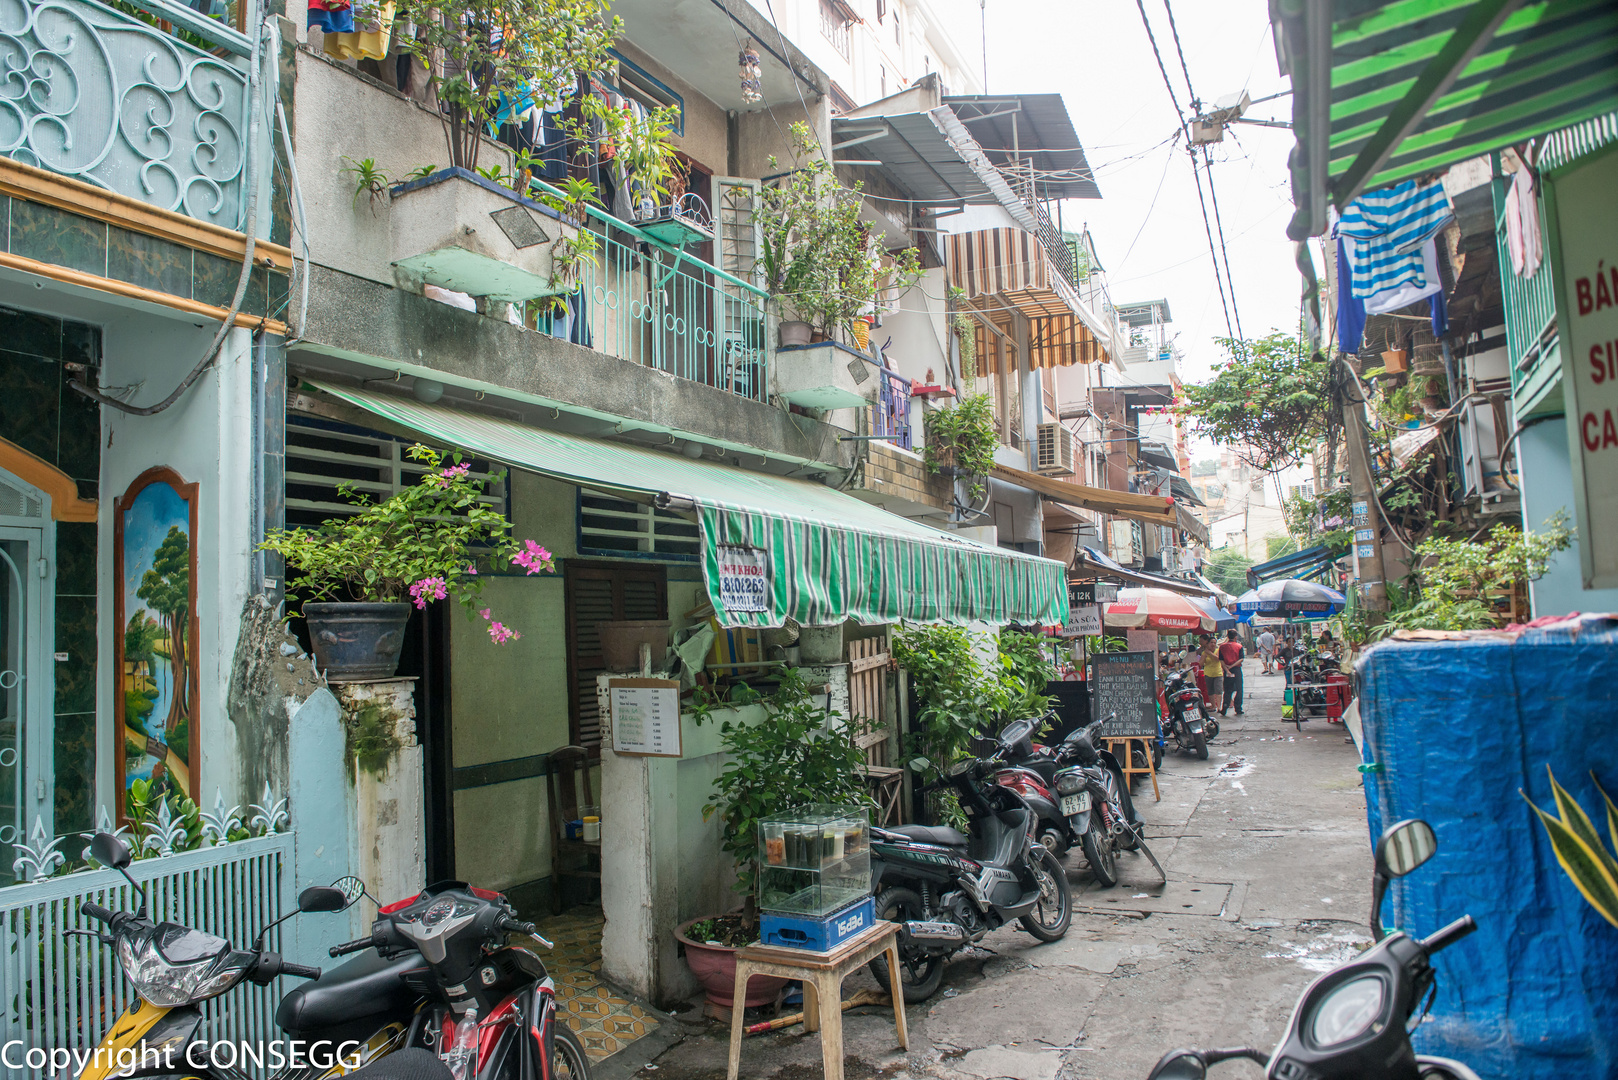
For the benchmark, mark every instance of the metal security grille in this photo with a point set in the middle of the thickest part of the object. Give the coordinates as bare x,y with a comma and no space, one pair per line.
57,990
323,457
609,526
16,503
603,593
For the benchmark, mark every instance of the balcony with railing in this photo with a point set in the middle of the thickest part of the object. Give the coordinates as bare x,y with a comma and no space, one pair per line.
1530,311
158,113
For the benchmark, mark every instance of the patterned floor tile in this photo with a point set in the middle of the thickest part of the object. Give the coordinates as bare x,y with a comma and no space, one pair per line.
605,1022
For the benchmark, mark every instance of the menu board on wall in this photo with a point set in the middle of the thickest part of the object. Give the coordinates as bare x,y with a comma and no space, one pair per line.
1126,684
645,716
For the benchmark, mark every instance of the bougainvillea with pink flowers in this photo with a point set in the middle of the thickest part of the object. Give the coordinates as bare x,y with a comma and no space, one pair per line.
420,546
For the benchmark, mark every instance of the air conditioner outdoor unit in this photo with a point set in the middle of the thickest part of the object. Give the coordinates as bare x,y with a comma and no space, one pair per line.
1055,455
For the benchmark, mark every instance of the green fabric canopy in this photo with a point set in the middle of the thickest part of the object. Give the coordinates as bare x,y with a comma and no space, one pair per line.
1384,90
825,556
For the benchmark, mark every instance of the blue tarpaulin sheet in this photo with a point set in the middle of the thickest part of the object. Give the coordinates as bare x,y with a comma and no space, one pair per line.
1456,728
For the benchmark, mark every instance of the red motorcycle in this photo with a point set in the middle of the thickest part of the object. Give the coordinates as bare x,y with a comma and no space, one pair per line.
490,1011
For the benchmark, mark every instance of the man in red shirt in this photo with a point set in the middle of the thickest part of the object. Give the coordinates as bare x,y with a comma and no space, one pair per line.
1231,653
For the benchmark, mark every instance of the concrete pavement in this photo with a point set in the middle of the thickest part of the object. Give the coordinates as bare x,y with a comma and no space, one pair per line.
1269,869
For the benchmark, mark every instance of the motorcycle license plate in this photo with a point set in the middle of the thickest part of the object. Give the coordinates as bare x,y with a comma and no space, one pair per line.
1076,804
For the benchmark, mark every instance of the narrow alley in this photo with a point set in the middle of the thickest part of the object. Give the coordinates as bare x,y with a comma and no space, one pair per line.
1269,870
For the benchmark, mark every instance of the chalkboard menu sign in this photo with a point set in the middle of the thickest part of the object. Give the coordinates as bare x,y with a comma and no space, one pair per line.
1125,683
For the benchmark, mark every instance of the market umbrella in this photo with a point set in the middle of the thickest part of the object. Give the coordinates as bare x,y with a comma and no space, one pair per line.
1223,619
1157,609
1289,597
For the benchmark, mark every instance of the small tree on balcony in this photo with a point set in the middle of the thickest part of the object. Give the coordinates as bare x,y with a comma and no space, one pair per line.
492,58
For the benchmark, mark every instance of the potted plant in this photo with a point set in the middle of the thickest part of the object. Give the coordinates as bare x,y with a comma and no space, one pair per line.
362,573
800,754
485,56
961,440
819,259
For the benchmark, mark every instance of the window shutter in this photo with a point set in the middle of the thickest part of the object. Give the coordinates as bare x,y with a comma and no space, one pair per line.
602,593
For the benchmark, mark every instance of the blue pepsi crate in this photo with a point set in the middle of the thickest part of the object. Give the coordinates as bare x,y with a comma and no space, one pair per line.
818,935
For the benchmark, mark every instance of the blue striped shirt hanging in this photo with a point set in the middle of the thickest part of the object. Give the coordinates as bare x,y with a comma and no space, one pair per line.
1387,228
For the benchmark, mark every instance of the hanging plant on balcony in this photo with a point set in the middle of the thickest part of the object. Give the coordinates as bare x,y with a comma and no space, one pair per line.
820,261
961,440
488,59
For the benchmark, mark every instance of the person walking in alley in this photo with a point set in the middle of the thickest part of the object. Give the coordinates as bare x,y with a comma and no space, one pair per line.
1213,673
1266,651
1231,654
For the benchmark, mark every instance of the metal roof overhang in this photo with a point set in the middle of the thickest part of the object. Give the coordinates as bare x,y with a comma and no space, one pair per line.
1149,509
1384,90
831,556
694,38
1092,562
1034,128
919,154
1310,563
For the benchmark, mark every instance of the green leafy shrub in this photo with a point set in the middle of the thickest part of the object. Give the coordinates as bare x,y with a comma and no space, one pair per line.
962,437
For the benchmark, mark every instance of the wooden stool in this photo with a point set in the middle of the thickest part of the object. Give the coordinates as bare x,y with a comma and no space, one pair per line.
822,975
1126,761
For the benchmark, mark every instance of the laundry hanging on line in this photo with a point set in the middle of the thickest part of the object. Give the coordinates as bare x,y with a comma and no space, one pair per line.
1522,224
1386,229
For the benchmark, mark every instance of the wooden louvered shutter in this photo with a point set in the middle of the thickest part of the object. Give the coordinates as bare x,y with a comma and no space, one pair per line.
599,592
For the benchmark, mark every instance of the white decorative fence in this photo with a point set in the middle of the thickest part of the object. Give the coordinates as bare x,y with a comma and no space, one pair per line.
62,991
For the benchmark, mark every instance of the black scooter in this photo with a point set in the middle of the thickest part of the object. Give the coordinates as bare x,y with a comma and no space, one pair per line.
1189,722
1095,799
948,889
1354,1022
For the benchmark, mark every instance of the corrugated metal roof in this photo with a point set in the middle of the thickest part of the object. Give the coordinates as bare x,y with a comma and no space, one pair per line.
917,153
1034,128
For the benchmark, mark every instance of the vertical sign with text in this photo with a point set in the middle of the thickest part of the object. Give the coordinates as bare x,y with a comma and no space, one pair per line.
1583,218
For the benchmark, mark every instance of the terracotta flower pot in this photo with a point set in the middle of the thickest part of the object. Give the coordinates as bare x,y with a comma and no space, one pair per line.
715,968
1393,361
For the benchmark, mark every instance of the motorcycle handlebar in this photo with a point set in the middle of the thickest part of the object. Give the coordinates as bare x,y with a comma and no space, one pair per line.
301,971
1449,935
349,947
508,925
96,911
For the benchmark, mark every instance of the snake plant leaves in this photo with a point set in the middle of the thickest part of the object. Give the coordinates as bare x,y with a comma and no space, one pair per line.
1579,851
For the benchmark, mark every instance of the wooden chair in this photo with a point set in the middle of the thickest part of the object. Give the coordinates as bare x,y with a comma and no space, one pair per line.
569,774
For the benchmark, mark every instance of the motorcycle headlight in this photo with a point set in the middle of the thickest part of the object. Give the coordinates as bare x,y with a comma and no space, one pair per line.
1069,783
1348,1011
169,984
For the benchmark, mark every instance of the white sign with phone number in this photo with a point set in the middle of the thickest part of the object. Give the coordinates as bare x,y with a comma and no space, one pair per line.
744,579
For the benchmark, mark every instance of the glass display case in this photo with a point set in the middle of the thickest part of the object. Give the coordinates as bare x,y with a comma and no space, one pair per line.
814,861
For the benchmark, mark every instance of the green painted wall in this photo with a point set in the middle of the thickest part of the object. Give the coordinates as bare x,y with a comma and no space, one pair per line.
510,701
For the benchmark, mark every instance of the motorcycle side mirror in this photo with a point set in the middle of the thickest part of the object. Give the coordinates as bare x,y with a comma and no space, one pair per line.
1402,847
110,851
1180,1065
322,898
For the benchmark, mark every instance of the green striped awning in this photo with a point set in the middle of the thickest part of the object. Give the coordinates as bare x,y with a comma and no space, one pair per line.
825,555
1384,90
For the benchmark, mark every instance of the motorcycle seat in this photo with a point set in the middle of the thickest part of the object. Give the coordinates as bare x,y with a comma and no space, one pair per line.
933,834
365,986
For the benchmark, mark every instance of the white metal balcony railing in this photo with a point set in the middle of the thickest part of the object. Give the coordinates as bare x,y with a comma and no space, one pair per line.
105,98
650,302
65,991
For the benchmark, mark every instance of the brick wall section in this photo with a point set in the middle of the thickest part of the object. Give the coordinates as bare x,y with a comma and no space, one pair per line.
903,476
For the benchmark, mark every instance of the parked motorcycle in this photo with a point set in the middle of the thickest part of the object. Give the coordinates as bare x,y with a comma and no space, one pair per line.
1029,769
1188,720
1095,800
1354,1022
948,888
368,1010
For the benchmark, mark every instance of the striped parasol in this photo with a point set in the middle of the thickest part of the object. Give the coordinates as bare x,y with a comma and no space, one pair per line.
1157,609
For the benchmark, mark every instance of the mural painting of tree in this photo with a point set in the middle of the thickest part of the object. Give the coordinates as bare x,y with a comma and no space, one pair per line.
166,589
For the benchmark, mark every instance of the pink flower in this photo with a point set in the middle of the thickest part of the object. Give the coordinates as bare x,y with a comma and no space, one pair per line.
534,558
454,472
501,633
428,588
484,613
472,568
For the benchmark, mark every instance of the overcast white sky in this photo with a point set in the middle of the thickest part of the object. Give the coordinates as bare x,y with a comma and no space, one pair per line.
1096,54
